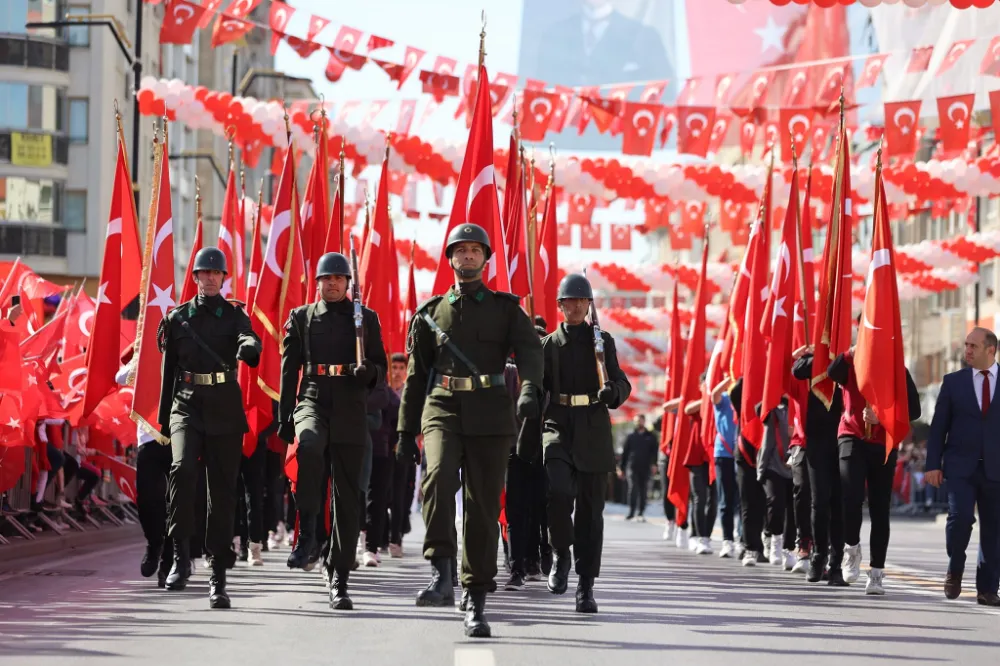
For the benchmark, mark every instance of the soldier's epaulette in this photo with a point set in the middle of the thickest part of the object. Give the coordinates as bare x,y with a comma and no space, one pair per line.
513,297
237,303
433,300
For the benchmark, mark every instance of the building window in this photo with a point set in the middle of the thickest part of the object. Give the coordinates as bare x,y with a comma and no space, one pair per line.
31,200
79,118
36,107
78,36
76,210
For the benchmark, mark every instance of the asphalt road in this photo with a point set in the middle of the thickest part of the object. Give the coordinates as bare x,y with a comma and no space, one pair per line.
656,603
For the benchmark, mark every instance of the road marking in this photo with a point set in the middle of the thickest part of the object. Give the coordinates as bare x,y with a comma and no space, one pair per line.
474,657
52,564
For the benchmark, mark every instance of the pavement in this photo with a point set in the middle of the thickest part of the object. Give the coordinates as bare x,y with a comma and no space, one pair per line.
92,607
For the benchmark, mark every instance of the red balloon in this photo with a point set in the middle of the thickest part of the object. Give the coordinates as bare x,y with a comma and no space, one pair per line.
200,92
961,4
158,108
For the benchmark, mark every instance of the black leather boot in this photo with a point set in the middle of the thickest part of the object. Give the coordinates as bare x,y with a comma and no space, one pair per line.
463,605
817,565
305,546
181,570
150,559
440,591
217,596
454,571
166,561
339,598
585,595
476,625
836,578
559,576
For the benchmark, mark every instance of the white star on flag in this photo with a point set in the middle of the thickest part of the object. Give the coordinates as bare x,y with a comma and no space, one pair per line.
164,300
779,308
13,423
32,380
770,35
101,298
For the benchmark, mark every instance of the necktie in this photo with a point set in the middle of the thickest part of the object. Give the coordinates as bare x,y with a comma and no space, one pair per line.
986,391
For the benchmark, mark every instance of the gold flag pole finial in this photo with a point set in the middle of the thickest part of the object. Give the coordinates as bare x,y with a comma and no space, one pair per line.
878,156
482,40
388,144
288,124
841,105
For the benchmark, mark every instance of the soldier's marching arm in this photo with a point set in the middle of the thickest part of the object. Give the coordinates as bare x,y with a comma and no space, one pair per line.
248,344
618,382
528,358
420,349
168,373
291,364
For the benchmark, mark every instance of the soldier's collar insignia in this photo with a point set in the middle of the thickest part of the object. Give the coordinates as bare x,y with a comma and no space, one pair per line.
452,298
192,309
218,312
480,296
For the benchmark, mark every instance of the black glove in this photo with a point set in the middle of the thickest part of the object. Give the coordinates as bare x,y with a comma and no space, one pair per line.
286,432
249,353
407,449
527,403
364,373
607,394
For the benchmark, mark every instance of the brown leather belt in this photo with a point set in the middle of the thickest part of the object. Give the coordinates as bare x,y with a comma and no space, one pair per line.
328,370
584,400
468,383
206,378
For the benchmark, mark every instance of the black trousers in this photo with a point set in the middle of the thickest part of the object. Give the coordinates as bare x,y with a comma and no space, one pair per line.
798,522
221,455
728,495
379,493
753,503
274,489
638,482
583,492
538,520
403,486
526,519
669,510
252,474
88,477
863,464
152,469
823,464
704,502
777,489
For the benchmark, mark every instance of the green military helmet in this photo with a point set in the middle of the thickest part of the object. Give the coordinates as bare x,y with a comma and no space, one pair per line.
468,233
209,259
333,263
575,285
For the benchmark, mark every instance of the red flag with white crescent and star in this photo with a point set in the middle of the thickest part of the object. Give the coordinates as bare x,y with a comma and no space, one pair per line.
901,119
639,123
955,118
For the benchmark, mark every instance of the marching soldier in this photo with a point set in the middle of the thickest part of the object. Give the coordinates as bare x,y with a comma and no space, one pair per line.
578,448
326,412
202,407
455,394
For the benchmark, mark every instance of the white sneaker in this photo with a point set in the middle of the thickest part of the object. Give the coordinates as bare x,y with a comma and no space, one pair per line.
766,540
682,539
693,542
852,563
749,559
874,585
640,519
801,564
728,550
739,550
704,546
378,557
395,550
280,531
789,560
255,559
205,563
670,531
777,556
273,541
369,559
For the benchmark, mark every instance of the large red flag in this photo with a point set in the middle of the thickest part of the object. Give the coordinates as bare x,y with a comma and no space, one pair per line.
476,196
517,245
547,274
157,299
674,371
316,207
878,357
256,403
188,288
379,269
694,365
229,235
832,335
510,197
754,347
411,308
805,293
103,359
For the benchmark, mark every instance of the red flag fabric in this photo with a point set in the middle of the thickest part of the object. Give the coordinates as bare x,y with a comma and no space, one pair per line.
256,403
517,244
694,131
581,209
796,129
229,27
188,288
639,123
805,306
229,225
873,67
408,312
621,237
158,299
180,21
315,214
476,196
878,357
674,371
590,237
920,58
991,59
955,118
379,267
102,360
278,18
538,108
123,474
512,184
901,128
547,273
343,54
956,51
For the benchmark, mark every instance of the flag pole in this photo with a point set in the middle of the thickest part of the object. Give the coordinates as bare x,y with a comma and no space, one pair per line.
482,41
147,254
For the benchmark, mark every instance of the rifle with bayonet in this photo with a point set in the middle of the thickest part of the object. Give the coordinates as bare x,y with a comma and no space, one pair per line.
359,347
602,368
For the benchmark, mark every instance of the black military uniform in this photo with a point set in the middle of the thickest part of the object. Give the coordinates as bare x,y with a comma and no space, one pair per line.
326,411
455,394
202,407
578,448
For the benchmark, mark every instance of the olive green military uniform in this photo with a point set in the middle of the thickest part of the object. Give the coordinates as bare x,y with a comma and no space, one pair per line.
576,437
471,431
328,409
202,405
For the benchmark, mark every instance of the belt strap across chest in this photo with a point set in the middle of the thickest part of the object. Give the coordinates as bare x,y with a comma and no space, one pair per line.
468,383
578,400
329,370
206,378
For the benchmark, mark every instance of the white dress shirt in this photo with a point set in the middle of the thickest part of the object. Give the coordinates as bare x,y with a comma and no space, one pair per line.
977,383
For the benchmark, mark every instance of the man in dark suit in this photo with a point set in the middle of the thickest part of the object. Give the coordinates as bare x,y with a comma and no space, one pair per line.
964,449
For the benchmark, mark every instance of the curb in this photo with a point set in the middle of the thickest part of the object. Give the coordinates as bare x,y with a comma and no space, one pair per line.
50,544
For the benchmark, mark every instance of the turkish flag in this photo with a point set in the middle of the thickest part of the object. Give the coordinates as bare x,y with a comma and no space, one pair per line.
777,323
102,360
830,87
688,93
342,54
621,237
590,237
229,26
565,235
639,122
188,288
439,85
79,326
748,136
693,216
690,389
566,101
653,92
315,212
920,58
991,59
180,21
719,131
955,117
379,270
901,120
796,126
872,69
754,346
516,236
618,95
411,59
723,87
547,262
303,48
603,111
278,19
406,110
759,85
732,214
230,227
694,130
674,372
680,238
158,276
581,209
657,213
956,51
798,83
501,89
537,110
878,356
410,310
123,474
669,122
820,137
805,306
476,196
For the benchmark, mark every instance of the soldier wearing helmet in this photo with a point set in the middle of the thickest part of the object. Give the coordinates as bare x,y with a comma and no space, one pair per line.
455,394
325,411
201,411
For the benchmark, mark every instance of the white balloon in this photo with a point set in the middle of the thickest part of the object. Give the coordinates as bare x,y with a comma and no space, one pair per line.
160,89
172,100
147,82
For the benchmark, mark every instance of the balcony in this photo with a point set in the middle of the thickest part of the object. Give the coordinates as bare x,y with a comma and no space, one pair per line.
36,52
32,240
58,152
